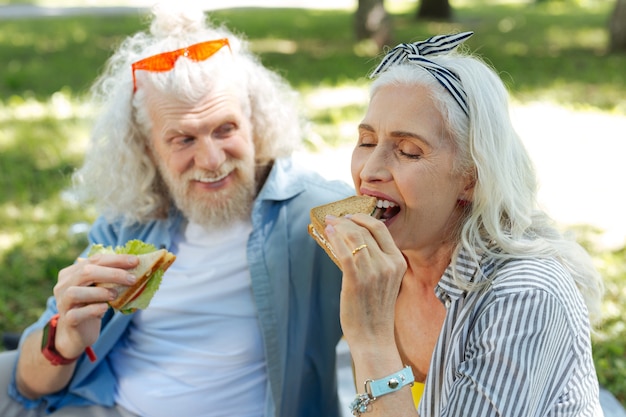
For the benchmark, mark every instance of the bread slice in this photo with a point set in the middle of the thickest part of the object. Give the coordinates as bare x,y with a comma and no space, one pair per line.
149,263
350,205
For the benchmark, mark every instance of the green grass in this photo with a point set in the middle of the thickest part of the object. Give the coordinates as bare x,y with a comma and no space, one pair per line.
555,51
43,56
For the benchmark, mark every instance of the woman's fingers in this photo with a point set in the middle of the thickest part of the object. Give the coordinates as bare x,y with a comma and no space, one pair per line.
372,273
377,230
347,236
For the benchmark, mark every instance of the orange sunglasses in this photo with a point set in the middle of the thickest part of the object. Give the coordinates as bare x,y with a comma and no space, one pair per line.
166,60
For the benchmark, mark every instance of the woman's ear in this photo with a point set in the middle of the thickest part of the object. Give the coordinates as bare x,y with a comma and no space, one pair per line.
467,194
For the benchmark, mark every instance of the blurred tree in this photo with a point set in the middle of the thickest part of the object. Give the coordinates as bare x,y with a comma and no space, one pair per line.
434,9
617,27
372,22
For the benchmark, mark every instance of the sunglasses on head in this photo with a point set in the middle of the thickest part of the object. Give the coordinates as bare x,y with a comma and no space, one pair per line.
165,61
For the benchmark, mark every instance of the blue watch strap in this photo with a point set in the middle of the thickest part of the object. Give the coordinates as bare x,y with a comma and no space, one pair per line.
390,383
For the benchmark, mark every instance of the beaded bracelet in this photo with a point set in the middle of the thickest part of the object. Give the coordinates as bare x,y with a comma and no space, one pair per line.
379,387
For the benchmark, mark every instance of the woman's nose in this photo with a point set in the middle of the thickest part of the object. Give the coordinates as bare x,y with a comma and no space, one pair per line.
209,154
376,167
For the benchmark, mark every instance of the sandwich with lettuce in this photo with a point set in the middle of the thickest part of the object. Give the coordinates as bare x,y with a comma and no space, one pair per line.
152,265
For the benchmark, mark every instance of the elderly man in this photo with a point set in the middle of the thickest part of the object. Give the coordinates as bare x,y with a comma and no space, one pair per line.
191,153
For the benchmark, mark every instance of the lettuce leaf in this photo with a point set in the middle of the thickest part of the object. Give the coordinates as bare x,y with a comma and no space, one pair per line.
132,247
146,295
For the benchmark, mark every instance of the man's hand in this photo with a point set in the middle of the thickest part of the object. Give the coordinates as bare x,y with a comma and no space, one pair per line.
81,304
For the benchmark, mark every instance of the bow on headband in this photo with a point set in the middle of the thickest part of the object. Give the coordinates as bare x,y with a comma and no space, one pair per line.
436,45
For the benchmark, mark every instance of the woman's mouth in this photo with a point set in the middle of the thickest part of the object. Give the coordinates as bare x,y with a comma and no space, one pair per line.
385,210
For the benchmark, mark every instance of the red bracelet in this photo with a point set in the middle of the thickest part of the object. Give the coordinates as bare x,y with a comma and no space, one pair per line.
48,348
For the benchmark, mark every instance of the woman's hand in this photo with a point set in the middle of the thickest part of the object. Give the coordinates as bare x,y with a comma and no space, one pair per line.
371,277
81,304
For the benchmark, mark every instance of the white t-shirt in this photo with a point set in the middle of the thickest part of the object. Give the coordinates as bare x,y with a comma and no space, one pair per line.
197,349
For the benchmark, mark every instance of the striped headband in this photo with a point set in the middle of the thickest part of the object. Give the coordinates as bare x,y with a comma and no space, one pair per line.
436,45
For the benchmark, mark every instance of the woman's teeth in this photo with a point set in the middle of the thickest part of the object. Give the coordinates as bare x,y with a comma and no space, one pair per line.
385,210
385,204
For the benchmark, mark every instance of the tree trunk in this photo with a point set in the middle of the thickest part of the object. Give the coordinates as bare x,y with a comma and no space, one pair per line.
434,9
371,21
617,27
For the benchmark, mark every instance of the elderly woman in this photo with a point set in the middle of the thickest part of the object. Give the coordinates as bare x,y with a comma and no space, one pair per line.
465,285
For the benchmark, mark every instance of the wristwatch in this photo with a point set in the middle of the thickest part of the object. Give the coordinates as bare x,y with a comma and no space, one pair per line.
47,344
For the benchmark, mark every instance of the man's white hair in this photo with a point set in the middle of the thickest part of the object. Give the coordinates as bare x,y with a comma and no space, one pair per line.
118,175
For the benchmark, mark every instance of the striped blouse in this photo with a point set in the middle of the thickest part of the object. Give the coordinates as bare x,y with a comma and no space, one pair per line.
520,346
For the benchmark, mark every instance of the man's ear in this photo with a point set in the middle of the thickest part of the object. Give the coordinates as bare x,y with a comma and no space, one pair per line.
149,151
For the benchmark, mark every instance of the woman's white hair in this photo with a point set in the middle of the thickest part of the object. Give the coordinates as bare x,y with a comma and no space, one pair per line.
118,175
504,209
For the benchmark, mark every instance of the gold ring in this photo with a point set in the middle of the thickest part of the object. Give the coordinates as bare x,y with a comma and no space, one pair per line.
363,246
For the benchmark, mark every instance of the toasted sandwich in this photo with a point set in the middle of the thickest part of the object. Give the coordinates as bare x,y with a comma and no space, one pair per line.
350,205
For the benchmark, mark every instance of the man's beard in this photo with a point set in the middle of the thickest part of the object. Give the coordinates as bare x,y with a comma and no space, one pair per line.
213,209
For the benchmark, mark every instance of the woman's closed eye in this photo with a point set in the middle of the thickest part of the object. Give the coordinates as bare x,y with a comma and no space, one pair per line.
366,145
410,149
367,141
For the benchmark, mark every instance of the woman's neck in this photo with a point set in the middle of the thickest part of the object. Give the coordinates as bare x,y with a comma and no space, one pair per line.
428,265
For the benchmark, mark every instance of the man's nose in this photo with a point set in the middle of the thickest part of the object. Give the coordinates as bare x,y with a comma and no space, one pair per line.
209,154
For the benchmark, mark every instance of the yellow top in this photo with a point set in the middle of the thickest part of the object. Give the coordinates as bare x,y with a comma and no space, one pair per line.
417,389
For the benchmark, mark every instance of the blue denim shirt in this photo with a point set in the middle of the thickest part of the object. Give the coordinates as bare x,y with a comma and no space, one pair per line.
295,286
